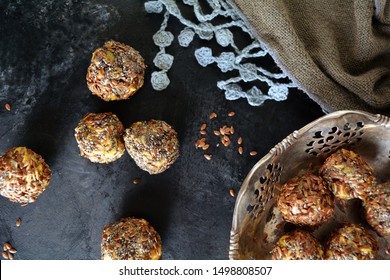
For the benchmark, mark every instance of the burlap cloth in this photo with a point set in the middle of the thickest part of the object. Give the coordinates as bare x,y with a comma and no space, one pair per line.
337,51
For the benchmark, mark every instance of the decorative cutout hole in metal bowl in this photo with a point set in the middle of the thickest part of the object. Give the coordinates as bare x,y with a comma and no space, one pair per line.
257,223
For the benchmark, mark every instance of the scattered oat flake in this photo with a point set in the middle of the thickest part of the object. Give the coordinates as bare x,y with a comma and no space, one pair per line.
18,222
231,114
253,153
213,115
208,157
8,107
232,192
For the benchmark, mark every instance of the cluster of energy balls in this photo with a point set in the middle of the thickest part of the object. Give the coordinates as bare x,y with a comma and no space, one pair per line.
117,72
308,202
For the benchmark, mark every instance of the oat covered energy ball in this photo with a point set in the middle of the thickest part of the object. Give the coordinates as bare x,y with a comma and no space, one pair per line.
130,239
152,144
377,207
100,137
297,245
116,71
351,242
24,175
348,175
306,201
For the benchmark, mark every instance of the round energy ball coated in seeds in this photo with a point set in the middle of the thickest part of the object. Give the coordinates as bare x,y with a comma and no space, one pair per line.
24,175
100,137
377,208
351,242
306,201
130,239
116,71
297,245
348,175
153,145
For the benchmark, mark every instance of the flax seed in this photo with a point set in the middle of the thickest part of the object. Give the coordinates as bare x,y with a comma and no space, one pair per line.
213,115
5,255
205,147
231,114
217,133
208,157
6,246
203,127
232,130
10,256
203,132
136,181
253,153
12,250
8,107
239,141
240,150
232,192
18,222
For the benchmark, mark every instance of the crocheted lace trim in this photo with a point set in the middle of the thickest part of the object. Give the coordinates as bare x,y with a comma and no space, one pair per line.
238,61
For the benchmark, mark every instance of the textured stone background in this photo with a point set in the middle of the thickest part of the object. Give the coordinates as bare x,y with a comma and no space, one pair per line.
45,49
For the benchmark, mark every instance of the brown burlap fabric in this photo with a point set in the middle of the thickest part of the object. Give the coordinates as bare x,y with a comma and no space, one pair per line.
337,51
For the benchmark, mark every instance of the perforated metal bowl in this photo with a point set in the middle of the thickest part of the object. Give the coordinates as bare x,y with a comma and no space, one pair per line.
257,224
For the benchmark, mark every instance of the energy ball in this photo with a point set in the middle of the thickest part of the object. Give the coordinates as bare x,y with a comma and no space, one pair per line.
99,137
377,207
348,175
152,144
351,242
306,201
24,175
116,71
130,239
297,245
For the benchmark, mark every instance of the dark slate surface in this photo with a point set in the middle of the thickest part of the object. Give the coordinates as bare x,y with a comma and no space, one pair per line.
45,48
